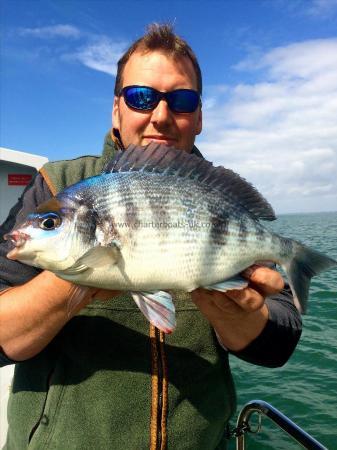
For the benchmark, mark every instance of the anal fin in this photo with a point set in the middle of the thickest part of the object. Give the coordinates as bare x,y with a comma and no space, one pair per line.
158,308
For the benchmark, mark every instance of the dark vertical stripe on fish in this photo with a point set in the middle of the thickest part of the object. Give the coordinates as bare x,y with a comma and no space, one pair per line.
259,232
160,208
128,201
243,231
218,231
218,222
86,223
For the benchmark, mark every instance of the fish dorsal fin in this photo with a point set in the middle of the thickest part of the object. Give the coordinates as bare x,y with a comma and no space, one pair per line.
159,158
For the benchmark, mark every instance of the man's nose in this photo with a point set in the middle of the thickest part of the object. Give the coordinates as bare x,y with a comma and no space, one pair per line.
162,114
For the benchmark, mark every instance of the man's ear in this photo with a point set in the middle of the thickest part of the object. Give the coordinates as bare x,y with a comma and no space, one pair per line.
115,113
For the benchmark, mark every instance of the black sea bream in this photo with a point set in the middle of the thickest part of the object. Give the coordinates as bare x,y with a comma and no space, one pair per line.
159,219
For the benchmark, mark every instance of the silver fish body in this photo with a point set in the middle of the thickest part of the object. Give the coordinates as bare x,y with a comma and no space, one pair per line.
170,232
147,225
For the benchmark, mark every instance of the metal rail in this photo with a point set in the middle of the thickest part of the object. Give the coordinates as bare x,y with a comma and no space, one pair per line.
261,407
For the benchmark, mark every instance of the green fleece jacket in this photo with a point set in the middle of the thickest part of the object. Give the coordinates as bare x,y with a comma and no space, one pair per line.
110,380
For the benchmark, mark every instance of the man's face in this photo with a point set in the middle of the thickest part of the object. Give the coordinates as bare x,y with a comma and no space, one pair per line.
161,72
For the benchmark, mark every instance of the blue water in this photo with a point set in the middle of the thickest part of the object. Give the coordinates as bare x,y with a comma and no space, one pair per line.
305,389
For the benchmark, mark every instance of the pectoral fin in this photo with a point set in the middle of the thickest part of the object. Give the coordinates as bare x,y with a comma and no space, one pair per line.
236,282
76,296
73,270
98,256
158,308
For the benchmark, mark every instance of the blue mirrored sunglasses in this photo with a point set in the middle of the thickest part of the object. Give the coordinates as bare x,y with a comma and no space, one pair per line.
145,98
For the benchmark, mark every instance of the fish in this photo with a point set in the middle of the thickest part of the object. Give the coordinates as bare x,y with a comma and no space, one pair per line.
159,219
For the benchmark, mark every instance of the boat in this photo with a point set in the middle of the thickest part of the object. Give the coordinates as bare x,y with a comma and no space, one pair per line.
16,172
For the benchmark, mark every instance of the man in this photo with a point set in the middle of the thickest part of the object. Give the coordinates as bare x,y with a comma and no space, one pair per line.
102,378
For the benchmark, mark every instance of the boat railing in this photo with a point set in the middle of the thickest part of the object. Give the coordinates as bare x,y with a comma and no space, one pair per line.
261,407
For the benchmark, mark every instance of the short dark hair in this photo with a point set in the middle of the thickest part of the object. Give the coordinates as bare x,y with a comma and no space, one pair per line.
159,37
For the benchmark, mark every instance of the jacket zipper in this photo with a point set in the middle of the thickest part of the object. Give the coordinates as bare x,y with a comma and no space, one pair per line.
35,427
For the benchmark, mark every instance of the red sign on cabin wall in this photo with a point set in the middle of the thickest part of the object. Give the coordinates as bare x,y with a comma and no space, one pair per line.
19,179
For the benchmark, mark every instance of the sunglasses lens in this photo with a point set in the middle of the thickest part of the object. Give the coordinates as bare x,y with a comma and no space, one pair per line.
146,99
140,97
183,100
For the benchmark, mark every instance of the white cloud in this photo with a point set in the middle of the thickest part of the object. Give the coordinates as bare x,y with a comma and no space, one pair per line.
102,54
66,31
281,132
98,52
302,60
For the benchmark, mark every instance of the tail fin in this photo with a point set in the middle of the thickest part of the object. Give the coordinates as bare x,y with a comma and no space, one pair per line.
305,264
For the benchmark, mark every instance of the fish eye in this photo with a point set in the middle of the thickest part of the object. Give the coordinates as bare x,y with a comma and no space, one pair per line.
49,221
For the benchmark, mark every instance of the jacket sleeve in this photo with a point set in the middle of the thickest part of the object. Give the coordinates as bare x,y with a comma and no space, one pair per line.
14,273
274,346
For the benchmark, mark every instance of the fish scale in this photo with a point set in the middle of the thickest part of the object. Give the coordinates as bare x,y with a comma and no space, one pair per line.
160,219
175,253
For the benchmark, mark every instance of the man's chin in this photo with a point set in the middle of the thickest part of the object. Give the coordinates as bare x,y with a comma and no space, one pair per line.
167,142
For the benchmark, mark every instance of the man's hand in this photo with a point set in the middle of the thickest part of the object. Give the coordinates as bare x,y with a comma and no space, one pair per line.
239,316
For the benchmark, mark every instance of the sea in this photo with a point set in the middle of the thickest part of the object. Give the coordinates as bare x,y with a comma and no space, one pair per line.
305,388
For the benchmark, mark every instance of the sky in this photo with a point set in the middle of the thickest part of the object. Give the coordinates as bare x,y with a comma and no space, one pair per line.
269,74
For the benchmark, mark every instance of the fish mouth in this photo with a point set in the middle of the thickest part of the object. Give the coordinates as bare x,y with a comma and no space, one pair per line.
18,239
